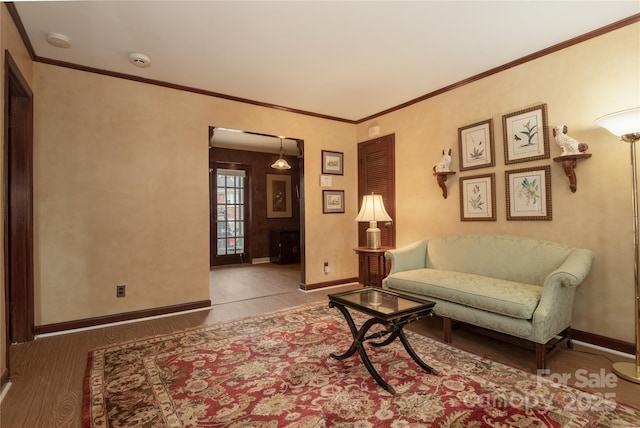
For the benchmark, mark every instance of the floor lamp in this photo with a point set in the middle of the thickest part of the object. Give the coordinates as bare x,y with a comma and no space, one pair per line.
626,124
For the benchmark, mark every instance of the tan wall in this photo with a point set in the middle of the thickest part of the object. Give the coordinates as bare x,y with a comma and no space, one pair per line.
121,192
9,41
578,84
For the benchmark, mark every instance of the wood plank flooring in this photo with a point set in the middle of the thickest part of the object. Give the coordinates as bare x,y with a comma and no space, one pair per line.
47,374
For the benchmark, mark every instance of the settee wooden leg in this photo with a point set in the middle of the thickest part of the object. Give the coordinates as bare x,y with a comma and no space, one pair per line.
568,336
446,329
541,353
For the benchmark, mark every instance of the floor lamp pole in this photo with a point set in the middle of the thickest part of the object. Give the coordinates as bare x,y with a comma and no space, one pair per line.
631,371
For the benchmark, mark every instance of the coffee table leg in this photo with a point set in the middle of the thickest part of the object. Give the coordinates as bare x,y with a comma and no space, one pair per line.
413,354
357,344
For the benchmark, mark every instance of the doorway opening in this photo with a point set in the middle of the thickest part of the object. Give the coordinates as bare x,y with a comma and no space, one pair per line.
242,225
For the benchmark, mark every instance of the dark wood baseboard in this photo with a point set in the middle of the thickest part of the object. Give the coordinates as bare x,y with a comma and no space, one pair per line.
319,285
125,316
603,341
579,335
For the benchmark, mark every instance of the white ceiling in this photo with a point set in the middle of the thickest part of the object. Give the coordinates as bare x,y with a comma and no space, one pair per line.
236,139
344,59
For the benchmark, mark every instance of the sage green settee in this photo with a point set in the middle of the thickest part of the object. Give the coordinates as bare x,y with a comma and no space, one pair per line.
523,287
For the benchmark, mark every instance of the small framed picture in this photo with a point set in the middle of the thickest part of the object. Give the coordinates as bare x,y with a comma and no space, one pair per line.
526,135
478,198
332,201
278,196
475,143
529,193
332,162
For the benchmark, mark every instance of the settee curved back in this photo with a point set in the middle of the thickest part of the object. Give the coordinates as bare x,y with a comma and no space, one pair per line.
508,257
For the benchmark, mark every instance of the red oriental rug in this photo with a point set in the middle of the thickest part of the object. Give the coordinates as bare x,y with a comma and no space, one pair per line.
275,371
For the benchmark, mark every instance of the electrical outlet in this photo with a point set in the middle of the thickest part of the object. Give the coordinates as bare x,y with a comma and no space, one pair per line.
326,267
120,290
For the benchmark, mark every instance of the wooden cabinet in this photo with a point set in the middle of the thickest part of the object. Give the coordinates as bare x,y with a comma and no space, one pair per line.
284,246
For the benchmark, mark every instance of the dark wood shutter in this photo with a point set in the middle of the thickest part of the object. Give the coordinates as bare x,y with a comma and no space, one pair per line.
376,174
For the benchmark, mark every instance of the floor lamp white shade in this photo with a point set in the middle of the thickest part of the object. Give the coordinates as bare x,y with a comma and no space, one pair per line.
626,125
373,211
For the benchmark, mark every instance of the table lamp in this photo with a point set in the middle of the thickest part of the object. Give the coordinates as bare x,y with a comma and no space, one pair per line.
626,125
372,210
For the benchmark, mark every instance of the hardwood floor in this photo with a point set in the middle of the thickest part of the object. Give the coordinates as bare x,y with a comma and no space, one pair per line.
47,374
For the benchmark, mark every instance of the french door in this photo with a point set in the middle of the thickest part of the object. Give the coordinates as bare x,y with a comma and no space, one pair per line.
229,214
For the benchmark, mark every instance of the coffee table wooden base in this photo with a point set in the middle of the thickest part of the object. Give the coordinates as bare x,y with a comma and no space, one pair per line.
393,327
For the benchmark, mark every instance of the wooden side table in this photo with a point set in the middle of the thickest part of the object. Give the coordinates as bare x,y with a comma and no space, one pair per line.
367,276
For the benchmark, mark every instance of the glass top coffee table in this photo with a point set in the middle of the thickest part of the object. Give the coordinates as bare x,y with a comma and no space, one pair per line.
393,311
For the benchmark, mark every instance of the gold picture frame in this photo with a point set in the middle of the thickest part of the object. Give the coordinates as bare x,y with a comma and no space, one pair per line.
475,145
279,196
478,198
526,135
529,193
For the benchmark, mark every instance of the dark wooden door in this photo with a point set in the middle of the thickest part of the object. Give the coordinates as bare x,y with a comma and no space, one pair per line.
376,174
18,200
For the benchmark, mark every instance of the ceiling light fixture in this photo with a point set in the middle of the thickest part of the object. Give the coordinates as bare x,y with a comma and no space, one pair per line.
139,59
281,162
58,40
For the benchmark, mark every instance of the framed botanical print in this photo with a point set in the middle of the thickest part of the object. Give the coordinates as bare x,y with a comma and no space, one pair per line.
478,198
529,193
526,135
475,143
332,201
279,196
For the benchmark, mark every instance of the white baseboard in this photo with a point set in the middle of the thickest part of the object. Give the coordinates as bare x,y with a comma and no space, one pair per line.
4,390
601,348
260,260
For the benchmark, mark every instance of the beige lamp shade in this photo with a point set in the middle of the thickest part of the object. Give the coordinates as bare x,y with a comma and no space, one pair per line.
372,210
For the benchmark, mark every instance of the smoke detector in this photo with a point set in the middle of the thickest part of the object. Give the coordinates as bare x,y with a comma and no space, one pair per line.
58,40
139,60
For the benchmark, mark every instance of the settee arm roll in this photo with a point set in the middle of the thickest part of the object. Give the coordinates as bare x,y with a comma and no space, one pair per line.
409,257
574,269
554,311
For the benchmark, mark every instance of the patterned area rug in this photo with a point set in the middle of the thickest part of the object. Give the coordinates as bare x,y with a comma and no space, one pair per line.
275,370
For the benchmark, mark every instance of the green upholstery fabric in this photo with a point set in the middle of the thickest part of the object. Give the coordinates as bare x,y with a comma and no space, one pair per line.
516,285
489,294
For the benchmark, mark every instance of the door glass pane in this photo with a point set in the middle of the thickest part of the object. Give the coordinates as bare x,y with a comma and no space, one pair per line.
230,211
